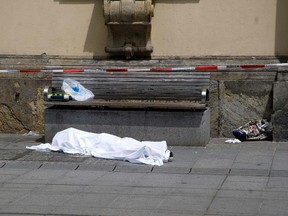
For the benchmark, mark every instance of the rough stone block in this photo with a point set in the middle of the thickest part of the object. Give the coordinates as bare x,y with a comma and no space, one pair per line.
242,101
282,75
280,125
280,96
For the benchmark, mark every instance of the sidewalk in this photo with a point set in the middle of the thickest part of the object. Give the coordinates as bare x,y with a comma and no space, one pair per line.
250,178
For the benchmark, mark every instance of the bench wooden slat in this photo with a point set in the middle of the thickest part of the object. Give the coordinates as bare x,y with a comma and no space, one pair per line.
130,104
173,90
141,85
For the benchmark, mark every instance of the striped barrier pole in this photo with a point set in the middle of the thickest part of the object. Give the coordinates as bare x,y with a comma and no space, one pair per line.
156,69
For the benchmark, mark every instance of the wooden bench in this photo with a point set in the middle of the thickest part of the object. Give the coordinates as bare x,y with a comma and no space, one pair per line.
167,106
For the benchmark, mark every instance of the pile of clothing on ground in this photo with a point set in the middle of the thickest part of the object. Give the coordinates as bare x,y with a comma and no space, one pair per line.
254,130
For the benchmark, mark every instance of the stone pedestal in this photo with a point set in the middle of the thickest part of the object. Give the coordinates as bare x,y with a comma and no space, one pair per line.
182,128
280,108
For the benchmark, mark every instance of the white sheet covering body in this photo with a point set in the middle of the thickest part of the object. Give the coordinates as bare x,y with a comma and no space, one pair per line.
107,146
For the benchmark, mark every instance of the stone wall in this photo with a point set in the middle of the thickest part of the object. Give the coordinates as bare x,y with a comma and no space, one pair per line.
280,107
21,106
236,97
239,97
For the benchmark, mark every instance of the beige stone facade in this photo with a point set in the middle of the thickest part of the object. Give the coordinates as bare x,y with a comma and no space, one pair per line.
179,27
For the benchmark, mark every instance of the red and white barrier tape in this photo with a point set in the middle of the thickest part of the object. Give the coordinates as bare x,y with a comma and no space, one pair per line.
160,69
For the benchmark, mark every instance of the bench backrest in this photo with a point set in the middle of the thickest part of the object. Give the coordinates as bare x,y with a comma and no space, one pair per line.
176,86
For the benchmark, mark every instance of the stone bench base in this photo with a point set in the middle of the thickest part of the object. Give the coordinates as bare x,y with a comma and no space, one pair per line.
177,127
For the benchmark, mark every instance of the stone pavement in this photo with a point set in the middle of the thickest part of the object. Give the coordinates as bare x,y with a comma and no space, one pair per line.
250,178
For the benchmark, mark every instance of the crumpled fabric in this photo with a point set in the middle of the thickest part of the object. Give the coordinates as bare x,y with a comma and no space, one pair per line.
103,145
254,130
233,141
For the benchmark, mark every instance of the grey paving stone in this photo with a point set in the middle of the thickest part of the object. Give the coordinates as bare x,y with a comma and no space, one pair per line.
249,157
187,154
278,183
124,179
8,154
245,183
173,213
2,164
128,167
22,165
210,171
240,194
100,211
6,178
93,163
12,145
218,163
279,173
202,181
23,214
27,210
274,207
90,200
161,180
249,188
18,144
80,177
171,169
282,146
249,172
61,157
59,165
107,189
60,188
220,153
251,166
259,146
130,212
23,186
185,205
236,206
275,195
8,138
190,191
40,176
144,202
35,156
253,194
13,171
280,160
44,199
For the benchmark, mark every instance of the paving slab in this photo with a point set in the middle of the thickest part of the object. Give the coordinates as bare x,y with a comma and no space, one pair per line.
235,206
59,166
245,183
127,167
221,179
280,160
8,154
202,181
185,205
279,173
274,207
249,171
278,184
92,163
210,171
172,169
42,176
216,163
18,164
35,156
